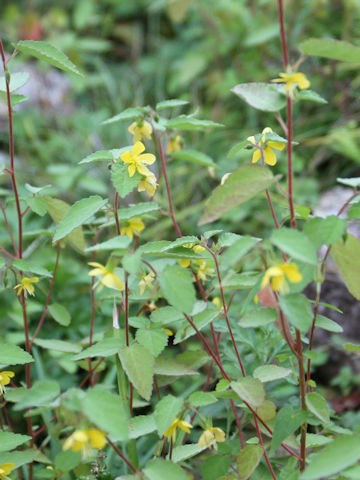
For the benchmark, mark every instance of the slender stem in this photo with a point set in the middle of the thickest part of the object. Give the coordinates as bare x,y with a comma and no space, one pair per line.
265,454
272,208
238,423
42,319
7,253
290,171
121,455
302,382
283,34
312,331
9,229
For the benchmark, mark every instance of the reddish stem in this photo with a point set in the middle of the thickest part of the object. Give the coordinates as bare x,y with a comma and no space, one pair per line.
121,455
9,230
283,34
262,444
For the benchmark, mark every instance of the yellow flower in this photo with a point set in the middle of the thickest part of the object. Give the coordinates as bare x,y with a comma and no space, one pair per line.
140,130
5,380
174,144
146,281
134,225
266,147
217,302
84,440
293,80
203,270
107,277
277,276
148,185
210,436
136,161
5,469
185,262
26,286
175,424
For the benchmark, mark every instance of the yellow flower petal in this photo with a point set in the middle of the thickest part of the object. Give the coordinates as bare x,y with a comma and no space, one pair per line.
277,145
147,158
256,156
269,156
137,149
96,437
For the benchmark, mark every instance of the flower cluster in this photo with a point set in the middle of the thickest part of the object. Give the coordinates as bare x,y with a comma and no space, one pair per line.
5,380
133,226
137,161
84,440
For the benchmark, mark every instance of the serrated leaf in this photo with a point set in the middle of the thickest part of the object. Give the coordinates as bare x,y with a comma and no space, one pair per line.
262,96
99,156
200,399
317,406
242,185
48,53
297,309
258,317
153,339
78,214
141,425
214,467
166,410
347,259
166,315
193,156
17,80
107,412
236,251
37,205
41,394
119,242
160,469
57,209
295,243
138,364
311,96
177,287
9,440
191,124
26,266
137,210
172,368
123,183
67,460
287,422
343,452
128,114
180,242
13,355
250,390
325,231
60,314
330,48
170,104
18,458
103,348
269,373
248,459
57,345
183,452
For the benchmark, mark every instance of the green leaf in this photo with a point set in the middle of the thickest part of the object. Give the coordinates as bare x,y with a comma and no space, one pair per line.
194,156
170,104
123,183
172,368
237,250
13,355
67,460
250,390
350,182
327,324
343,452
141,425
180,242
200,399
17,80
329,48
160,469
128,114
248,459
242,185
295,243
57,345
37,205
48,53
104,348
352,347
137,210
215,466
166,410
177,287
57,210
200,320
31,267
237,148
166,315
153,339
347,259
318,406
297,309
325,231
191,123
19,458
131,262
311,96
138,364
287,421
315,440
9,440
263,96
99,156
269,373
107,412
60,314
120,242
183,452
41,394
258,317
78,214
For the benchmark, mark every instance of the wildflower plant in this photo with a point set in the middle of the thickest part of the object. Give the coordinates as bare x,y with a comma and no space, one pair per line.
162,331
